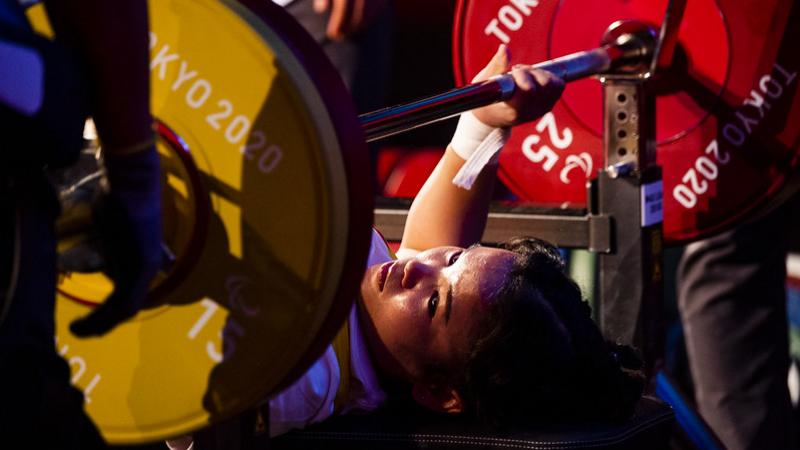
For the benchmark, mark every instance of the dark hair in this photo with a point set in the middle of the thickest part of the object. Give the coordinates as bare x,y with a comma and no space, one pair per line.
538,356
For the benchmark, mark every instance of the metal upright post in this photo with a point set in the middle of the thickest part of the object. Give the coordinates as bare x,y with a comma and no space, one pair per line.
629,190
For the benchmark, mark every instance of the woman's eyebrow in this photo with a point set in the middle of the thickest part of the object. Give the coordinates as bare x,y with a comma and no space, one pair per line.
448,302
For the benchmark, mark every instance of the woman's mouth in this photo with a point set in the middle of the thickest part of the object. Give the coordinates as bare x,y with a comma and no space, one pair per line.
383,272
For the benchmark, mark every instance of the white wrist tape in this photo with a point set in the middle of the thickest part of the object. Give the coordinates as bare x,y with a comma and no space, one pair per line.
469,134
478,144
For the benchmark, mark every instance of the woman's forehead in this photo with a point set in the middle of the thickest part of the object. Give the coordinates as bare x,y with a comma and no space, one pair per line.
481,272
440,249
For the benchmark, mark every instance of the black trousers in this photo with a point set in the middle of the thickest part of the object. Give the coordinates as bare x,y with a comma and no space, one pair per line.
732,299
38,406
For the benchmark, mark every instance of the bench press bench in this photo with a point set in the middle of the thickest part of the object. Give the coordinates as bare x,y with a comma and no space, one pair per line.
649,428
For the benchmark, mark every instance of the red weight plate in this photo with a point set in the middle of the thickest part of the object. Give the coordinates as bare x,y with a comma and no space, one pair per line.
727,112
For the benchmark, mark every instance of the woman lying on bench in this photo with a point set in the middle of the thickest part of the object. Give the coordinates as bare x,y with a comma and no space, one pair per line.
500,334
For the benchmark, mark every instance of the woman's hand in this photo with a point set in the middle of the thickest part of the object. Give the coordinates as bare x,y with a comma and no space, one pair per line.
536,92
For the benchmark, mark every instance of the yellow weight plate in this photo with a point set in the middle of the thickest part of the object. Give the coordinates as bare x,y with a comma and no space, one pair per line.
264,211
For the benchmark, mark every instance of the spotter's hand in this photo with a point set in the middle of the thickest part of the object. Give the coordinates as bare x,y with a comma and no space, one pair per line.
349,17
536,92
129,220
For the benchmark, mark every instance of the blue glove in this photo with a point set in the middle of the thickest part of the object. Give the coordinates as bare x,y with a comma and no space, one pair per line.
129,220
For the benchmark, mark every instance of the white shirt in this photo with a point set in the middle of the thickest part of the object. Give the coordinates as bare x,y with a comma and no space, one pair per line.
310,399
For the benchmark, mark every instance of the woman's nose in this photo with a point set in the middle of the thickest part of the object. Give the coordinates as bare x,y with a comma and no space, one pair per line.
413,272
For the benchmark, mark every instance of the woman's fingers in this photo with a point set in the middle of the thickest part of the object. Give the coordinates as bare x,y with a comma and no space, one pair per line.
524,79
536,92
497,65
551,87
549,79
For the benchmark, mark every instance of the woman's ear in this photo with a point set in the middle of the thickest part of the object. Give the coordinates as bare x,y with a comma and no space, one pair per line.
438,398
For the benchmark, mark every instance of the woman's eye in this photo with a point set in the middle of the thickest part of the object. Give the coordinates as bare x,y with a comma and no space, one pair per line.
433,302
453,258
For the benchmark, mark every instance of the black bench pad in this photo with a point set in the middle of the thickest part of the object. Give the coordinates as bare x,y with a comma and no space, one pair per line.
649,428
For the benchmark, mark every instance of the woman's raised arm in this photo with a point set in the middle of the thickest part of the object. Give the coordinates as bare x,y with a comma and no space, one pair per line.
442,212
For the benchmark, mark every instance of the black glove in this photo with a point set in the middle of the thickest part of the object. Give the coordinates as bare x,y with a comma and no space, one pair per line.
129,220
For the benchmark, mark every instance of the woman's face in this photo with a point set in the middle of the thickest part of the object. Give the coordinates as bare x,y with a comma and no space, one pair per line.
422,310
